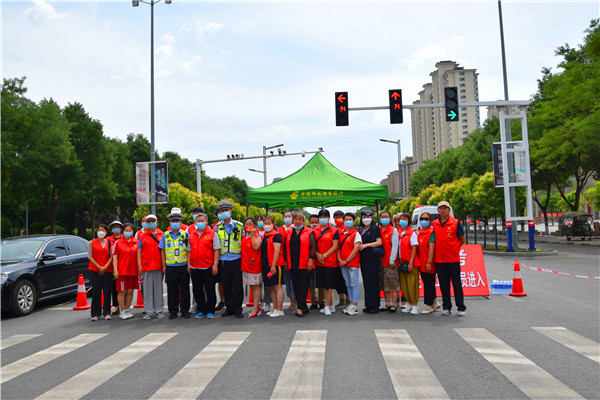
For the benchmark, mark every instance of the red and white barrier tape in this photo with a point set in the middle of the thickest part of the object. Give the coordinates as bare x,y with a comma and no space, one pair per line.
558,272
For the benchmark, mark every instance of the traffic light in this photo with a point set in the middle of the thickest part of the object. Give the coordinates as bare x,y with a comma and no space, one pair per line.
451,101
341,108
395,106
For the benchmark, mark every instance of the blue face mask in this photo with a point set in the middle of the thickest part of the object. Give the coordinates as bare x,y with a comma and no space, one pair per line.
385,221
144,225
201,225
116,230
424,224
175,225
225,215
128,234
287,221
151,225
403,223
349,224
260,224
323,221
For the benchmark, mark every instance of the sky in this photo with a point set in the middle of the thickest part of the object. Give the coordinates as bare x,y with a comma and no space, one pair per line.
232,77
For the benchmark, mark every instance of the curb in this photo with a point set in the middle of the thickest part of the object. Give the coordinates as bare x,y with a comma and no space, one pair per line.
521,254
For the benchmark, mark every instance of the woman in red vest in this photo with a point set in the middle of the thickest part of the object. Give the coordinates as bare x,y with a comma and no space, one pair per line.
100,264
349,260
389,269
125,270
272,261
150,267
327,238
409,281
251,265
425,252
288,221
300,252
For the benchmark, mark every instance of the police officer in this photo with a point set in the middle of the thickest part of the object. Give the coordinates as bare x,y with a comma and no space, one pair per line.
174,256
230,260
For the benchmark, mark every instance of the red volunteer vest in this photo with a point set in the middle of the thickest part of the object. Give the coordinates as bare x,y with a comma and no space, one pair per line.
100,254
304,248
348,246
150,252
325,244
250,258
386,240
271,250
447,244
406,248
202,254
126,252
423,250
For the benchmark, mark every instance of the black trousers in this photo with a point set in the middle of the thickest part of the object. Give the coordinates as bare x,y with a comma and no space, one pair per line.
428,287
115,300
448,272
233,289
369,269
178,281
340,282
101,284
203,284
301,282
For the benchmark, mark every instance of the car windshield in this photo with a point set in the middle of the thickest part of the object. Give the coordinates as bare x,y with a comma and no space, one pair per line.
18,250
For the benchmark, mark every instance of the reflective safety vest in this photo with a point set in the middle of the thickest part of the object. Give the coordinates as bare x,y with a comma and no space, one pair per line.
230,243
176,250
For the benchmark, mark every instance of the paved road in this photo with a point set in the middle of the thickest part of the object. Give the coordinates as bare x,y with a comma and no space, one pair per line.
544,345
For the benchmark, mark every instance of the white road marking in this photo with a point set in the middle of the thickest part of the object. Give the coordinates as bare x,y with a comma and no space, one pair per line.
35,360
572,340
524,373
301,376
202,368
16,339
86,381
60,308
411,376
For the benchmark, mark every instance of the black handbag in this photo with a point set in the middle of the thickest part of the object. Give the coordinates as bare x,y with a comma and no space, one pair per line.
378,251
403,267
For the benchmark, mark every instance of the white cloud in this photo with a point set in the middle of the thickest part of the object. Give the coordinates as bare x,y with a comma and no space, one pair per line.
207,27
41,13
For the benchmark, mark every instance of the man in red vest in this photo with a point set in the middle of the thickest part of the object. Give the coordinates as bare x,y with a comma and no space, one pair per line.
449,236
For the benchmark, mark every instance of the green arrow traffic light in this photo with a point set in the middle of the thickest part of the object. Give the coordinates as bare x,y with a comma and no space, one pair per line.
452,115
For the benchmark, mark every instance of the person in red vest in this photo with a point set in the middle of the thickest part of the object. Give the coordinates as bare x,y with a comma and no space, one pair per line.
327,238
287,275
126,270
101,271
150,267
409,281
251,263
317,297
425,254
266,302
203,264
349,260
300,252
449,236
116,228
340,282
272,261
389,269
139,233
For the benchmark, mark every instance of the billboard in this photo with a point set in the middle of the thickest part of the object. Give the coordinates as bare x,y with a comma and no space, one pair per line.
143,192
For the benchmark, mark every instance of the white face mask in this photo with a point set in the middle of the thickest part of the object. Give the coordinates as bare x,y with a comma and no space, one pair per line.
268,228
101,234
367,221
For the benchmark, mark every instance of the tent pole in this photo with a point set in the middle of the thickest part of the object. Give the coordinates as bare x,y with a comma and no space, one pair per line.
247,212
377,204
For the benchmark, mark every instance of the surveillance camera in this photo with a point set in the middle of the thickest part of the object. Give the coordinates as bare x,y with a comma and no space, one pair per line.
135,3
167,1
284,152
320,149
303,154
228,156
272,152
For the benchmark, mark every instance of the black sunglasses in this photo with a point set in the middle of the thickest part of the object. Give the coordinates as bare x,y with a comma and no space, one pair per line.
423,219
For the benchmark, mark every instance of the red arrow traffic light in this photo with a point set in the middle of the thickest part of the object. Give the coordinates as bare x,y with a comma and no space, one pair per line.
395,95
341,109
396,106
341,97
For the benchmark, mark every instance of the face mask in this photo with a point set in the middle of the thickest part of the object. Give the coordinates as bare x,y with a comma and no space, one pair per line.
314,225
225,215
268,228
151,225
385,221
261,224
201,225
298,226
323,221
403,223
338,221
367,221
101,234
424,224
128,234
349,224
116,230
287,221
175,226
144,225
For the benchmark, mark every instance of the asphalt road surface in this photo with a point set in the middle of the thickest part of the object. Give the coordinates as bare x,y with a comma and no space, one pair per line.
544,345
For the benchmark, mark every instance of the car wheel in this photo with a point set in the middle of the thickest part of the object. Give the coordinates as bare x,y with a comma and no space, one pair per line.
24,298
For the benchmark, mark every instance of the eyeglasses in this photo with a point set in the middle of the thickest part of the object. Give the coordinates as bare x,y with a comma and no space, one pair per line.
423,219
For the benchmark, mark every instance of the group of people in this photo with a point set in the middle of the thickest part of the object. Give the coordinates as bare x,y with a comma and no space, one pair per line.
311,260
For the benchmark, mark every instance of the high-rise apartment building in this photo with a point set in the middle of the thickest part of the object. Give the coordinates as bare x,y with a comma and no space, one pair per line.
431,133
407,167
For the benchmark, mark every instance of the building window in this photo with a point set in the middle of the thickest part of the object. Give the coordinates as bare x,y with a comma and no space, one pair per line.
463,115
461,73
462,85
463,108
462,90
462,79
463,97
464,126
464,132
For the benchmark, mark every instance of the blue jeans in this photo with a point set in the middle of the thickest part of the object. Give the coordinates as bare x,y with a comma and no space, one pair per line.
351,278
289,286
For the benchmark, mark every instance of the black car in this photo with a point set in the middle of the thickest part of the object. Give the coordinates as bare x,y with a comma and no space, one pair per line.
40,267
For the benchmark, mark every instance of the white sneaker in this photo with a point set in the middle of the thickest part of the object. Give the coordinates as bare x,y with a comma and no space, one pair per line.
322,310
122,314
414,310
332,308
352,309
267,308
276,313
407,308
327,311
462,313
269,313
129,314
446,312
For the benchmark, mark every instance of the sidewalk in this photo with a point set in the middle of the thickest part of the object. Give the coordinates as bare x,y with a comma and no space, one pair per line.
524,237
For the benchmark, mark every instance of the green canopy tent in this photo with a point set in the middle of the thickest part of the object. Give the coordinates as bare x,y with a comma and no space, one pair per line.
317,184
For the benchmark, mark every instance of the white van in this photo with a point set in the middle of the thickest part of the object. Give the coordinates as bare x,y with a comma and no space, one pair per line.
419,210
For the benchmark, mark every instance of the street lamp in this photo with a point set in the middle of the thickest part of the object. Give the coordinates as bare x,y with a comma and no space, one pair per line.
136,3
397,142
265,148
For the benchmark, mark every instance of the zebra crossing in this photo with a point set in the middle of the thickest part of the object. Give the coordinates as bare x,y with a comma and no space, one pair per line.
302,372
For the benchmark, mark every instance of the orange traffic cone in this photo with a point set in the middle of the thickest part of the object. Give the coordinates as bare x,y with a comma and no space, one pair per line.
140,300
102,300
517,288
82,303
250,302
308,300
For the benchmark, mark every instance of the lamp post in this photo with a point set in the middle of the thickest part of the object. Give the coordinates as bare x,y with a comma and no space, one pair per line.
265,148
397,142
136,3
